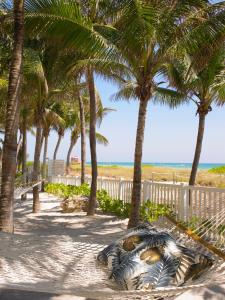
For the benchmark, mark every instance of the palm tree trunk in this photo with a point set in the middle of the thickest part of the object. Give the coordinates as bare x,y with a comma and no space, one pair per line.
24,152
36,168
83,139
11,126
57,146
44,165
72,144
19,144
136,191
44,173
92,137
198,148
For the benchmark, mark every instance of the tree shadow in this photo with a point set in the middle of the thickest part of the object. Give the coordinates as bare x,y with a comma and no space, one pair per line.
52,251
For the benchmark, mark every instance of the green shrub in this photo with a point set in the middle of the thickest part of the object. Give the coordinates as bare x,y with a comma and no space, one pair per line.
218,170
65,191
149,210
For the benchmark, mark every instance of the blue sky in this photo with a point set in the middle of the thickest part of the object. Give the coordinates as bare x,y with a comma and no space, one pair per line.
170,135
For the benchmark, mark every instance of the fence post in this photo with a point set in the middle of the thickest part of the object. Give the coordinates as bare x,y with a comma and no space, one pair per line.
184,203
152,177
174,178
144,195
120,189
101,182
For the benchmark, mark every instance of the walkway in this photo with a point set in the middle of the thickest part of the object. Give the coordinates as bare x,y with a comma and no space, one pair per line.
51,256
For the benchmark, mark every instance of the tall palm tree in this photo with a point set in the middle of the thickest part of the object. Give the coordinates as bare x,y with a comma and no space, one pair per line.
203,85
11,126
144,34
82,137
34,74
78,21
51,119
75,122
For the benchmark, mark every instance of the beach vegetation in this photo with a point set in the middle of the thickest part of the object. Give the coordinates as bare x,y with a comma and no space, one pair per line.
149,211
163,52
203,84
218,170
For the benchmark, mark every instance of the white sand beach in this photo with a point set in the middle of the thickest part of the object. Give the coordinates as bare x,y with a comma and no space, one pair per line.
55,252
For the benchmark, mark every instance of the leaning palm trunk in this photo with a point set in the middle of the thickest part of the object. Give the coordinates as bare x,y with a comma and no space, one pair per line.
92,137
36,168
19,145
72,144
198,149
24,152
83,142
11,127
136,192
44,166
57,146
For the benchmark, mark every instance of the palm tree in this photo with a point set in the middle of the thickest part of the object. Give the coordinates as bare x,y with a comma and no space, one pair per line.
83,138
60,132
146,34
34,74
82,36
77,127
203,85
51,119
143,38
11,126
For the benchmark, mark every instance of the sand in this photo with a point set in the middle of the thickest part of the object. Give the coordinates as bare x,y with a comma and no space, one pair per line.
55,252
51,251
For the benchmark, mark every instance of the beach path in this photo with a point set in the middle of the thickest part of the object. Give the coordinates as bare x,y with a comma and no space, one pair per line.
55,252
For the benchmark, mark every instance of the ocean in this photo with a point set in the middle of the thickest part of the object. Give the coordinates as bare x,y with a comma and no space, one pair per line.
203,166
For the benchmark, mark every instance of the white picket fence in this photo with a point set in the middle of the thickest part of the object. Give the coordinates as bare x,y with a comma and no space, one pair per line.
185,201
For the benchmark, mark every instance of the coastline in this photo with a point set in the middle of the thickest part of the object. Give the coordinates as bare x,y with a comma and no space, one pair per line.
178,165
205,177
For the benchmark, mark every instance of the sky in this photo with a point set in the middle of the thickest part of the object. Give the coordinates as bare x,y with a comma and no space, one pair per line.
170,135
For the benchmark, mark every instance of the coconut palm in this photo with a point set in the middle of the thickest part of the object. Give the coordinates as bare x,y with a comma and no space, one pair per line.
11,124
35,76
78,23
63,111
75,121
144,34
204,86
51,119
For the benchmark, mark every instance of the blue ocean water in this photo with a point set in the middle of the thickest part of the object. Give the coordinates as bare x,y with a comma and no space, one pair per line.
203,166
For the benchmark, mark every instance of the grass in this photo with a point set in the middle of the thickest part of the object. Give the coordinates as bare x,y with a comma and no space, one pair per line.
218,170
205,177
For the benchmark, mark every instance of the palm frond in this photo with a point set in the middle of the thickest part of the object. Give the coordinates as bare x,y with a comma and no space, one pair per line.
172,98
64,22
127,92
101,139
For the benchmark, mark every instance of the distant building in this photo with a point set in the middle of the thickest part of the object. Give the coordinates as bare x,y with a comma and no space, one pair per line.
75,159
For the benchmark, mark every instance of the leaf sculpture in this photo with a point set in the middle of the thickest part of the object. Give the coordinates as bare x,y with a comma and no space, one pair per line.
146,259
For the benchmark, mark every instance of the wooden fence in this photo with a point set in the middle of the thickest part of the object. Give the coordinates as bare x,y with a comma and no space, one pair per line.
185,201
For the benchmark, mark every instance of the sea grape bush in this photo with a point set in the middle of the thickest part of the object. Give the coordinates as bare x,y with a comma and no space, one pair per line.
149,210
65,191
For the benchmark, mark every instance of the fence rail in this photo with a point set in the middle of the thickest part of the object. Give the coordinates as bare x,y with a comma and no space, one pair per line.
186,201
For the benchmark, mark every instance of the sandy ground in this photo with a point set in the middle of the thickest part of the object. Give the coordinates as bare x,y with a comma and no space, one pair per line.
52,251
55,252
